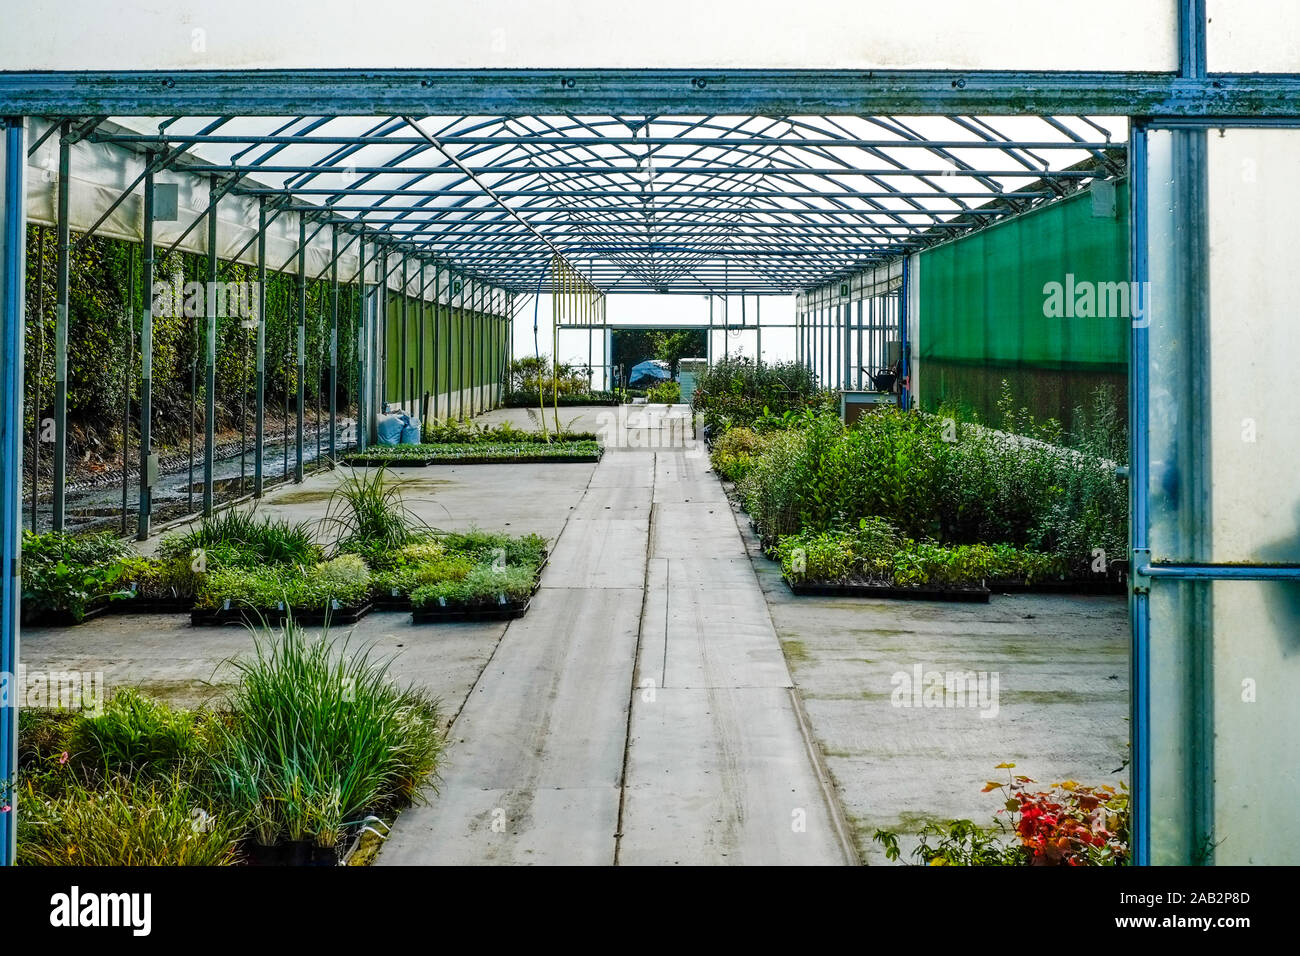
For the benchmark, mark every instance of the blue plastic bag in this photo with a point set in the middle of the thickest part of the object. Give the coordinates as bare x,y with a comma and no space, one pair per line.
388,430
410,434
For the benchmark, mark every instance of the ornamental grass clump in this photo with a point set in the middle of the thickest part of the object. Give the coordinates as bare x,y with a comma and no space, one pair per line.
318,737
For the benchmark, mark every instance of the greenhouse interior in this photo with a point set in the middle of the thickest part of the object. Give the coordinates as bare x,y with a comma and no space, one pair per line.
527,459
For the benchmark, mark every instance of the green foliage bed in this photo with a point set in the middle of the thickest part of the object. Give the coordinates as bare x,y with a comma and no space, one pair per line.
478,452
314,737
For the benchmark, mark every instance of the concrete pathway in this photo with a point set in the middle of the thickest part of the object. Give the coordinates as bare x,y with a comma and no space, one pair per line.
642,711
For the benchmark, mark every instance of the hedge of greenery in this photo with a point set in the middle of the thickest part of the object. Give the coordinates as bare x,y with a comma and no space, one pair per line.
736,391
935,479
97,327
313,738
876,553
665,393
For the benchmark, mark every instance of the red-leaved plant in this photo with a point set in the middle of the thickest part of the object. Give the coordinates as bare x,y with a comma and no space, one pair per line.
1069,824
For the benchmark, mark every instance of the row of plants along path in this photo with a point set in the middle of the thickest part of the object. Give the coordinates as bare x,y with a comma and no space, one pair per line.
461,443
914,504
237,567
313,748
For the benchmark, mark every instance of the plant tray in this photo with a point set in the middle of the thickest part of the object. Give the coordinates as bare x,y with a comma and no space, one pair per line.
246,616
370,461
168,605
866,589
62,618
402,602
486,612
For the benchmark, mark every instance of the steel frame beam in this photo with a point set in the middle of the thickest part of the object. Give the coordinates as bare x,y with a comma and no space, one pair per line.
648,92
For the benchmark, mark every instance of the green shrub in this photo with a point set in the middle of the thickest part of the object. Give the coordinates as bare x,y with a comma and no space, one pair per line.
345,579
134,734
405,577
489,545
69,573
733,454
318,737
877,553
665,393
937,479
158,578
484,585
736,391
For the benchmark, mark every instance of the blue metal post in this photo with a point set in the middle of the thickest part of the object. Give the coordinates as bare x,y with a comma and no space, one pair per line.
63,230
210,351
334,339
13,273
904,358
301,360
259,420
1139,465
146,358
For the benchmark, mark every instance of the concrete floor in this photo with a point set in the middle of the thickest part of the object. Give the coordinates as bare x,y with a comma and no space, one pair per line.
643,712
1062,703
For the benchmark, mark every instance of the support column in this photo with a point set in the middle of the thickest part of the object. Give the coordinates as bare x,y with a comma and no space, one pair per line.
259,418
403,360
146,357
419,352
61,336
210,368
301,358
437,336
334,340
846,315
13,300
363,341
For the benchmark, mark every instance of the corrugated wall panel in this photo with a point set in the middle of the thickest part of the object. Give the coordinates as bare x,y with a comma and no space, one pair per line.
985,315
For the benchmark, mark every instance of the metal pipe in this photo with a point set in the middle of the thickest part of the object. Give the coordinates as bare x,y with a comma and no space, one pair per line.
259,414
146,358
63,229
403,375
301,361
210,373
128,367
13,269
334,342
